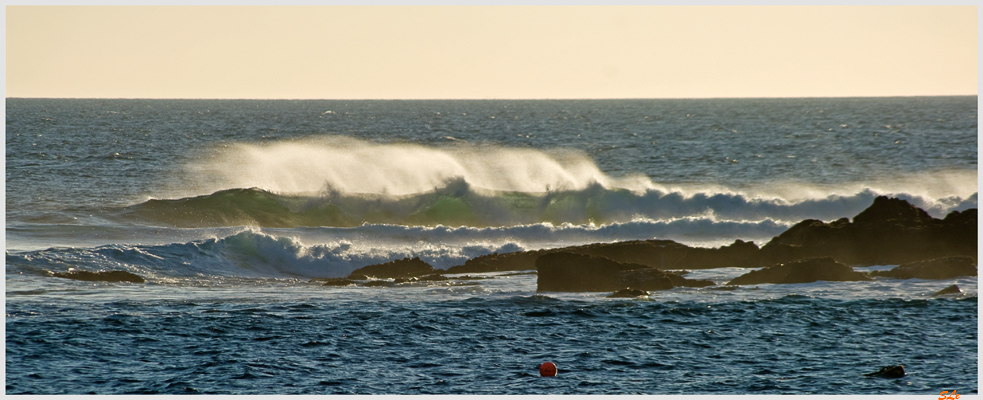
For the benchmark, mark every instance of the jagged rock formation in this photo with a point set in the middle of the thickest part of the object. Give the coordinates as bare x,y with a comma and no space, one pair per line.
890,231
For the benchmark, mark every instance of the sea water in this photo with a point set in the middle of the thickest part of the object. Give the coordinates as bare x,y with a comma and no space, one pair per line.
230,207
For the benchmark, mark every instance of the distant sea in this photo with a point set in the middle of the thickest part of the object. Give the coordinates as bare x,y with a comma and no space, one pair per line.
229,208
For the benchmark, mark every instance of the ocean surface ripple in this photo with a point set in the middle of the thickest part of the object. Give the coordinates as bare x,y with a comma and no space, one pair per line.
228,209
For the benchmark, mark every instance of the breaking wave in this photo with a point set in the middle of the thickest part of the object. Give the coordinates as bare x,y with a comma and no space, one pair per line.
334,181
247,254
457,204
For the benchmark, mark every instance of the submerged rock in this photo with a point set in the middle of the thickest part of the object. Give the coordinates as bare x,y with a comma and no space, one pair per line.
891,371
801,271
628,293
407,267
939,268
101,276
570,272
334,281
949,290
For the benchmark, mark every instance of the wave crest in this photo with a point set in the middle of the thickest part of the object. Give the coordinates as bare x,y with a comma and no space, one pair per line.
351,166
458,204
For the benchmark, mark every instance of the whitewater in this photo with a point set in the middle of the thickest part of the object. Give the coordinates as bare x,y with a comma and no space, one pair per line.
229,208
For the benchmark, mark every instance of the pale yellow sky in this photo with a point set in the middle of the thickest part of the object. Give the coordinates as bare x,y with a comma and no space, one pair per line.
489,52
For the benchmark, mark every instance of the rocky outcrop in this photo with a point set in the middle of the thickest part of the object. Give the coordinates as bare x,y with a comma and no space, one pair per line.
948,290
571,272
407,267
891,371
101,276
890,231
495,262
662,254
801,271
940,268
739,254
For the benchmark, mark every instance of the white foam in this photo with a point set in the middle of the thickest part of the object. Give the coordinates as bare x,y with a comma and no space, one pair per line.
347,165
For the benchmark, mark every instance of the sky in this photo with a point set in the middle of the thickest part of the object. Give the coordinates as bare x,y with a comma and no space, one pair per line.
489,52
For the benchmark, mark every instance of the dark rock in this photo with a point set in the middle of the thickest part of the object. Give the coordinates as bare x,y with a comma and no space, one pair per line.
940,268
570,272
358,277
890,231
887,210
334,281
739,254
949,290
101,276
801,271
891,371
495,262
662,254
378,283
628,293
679,281
404,268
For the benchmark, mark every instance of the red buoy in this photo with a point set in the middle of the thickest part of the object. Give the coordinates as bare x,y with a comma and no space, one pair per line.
547,369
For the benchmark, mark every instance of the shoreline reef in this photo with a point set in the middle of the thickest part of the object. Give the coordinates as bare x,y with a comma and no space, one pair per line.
889,232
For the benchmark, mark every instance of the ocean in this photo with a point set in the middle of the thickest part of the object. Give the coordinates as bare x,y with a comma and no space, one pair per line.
230,208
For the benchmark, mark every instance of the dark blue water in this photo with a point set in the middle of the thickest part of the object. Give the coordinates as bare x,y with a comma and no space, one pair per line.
788,345
229,208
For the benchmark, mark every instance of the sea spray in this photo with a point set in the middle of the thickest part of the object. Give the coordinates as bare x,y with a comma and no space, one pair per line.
348,165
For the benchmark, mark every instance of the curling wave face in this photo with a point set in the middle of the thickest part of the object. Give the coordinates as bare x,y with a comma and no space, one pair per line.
247,254
457,205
